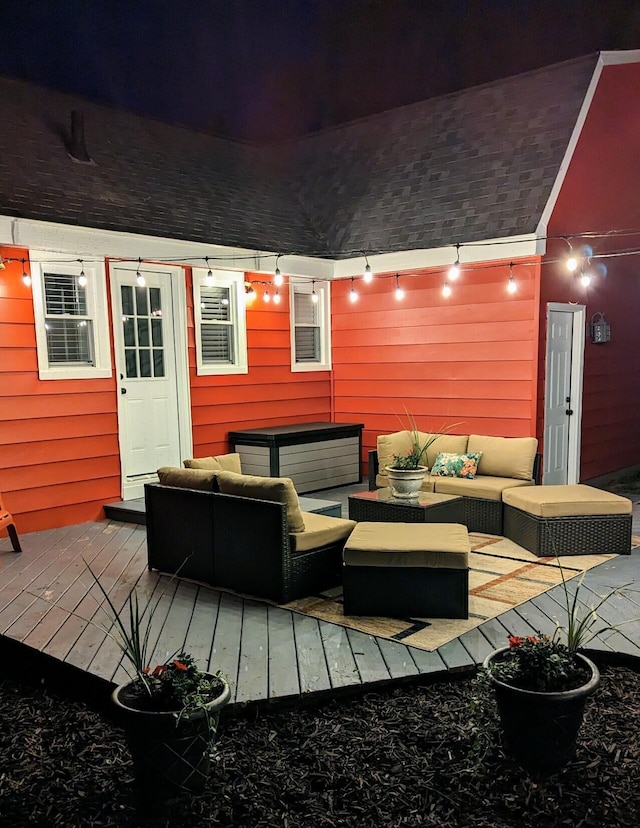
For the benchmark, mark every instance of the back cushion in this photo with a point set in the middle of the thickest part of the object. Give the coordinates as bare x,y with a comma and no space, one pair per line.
505,456
401,441
278,489
187,478
223,462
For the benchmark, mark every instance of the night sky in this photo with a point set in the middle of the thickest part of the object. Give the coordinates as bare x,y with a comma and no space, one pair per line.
269,69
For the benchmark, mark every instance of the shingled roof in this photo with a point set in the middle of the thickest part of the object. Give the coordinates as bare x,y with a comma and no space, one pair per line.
463,167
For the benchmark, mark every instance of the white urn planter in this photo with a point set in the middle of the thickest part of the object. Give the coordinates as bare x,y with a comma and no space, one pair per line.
405,483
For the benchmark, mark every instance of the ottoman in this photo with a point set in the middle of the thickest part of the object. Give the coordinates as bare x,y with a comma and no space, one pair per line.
567,520
400,570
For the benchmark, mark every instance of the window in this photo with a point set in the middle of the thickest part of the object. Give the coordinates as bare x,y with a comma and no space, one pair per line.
220,320
70,309
310,328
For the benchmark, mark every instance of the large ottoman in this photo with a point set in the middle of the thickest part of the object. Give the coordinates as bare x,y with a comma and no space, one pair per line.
567,520
407,569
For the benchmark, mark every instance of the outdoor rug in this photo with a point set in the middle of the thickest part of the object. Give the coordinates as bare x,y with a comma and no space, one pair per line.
502,575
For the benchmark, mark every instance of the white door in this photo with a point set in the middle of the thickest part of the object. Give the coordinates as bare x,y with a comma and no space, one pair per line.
563,393
150,374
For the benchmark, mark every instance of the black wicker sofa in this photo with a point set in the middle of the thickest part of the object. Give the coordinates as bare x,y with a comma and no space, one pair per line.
242,543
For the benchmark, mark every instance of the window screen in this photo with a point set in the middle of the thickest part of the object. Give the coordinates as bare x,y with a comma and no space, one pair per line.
69,329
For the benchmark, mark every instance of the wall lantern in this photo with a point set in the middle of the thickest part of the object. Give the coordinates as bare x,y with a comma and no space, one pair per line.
599,329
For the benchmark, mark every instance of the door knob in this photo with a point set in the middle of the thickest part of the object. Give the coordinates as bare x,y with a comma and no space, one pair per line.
123,390
569,412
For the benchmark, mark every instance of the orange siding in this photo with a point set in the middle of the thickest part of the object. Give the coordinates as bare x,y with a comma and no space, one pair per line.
59,458
600,195
270,394
470,358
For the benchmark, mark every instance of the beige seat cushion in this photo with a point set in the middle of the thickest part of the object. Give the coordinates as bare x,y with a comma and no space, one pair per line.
443,545
320,530
567,501
400,442
187,478
505,456
223,462
487,488
277,489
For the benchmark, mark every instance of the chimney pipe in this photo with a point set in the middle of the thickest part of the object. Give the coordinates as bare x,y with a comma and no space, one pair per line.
77,148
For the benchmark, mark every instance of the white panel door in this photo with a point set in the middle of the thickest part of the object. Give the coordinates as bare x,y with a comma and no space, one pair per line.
563,395
148,409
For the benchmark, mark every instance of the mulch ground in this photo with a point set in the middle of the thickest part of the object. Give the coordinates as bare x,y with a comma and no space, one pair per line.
403,757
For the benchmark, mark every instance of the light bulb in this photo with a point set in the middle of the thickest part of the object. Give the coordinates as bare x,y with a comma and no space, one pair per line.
368,275
278,278
585,279
512,285
572,264
266,296
82,279
276,298
314,297
454,271
209,279
251,294
26,279
353,296
399,293
446,289
140,280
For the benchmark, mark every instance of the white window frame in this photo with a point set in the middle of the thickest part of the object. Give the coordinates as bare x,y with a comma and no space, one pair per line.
323,291
235,282
44,261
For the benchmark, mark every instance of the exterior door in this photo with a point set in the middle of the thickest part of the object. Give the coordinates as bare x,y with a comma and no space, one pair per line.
563,393
149,374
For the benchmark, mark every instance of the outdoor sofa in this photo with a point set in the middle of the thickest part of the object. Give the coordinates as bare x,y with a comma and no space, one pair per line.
502,463
241,532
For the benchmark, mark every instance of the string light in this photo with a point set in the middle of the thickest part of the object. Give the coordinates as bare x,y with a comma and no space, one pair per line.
82,279
454,270
250,292
368,275
209,279
25,276
314,295
446,289
399,291
277,276
140,280
571,262
585,275
276,298
2,265
512,286
353,295
266,296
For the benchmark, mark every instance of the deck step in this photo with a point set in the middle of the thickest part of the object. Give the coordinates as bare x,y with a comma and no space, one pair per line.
128,511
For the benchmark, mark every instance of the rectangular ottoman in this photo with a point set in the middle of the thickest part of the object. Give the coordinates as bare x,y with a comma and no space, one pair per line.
567,520
401,570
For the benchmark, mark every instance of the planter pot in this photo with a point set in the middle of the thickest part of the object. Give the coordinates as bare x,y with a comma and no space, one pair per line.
406,483
540,729
170,753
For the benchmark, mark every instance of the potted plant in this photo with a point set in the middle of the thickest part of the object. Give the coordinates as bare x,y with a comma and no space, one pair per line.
406,471
541,685
169,712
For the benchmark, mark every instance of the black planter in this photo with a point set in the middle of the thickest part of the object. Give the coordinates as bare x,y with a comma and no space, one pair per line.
170,752
540,729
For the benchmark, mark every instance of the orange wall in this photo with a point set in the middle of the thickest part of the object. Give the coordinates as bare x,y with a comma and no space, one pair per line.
270,394
471,358
59,458
600,194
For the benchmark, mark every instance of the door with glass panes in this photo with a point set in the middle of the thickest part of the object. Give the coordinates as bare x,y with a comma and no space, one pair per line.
148,412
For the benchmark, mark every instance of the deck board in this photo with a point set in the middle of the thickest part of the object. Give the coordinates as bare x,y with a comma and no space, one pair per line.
267,653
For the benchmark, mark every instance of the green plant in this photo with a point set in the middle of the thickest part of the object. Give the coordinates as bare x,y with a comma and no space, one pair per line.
176,684
539,663
413,458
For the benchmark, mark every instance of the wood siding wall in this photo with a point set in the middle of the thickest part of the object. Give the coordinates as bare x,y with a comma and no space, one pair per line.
270,394
471,358
59,459
600,195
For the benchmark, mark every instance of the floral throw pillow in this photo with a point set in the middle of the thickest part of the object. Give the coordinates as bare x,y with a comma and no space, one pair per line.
456,465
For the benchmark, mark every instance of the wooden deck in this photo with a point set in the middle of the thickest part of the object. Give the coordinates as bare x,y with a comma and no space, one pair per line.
269,654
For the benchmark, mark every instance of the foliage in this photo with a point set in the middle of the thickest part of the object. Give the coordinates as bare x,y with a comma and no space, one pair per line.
176,685
413,458
539,663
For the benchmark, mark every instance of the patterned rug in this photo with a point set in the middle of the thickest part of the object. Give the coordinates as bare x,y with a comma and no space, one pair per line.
502,575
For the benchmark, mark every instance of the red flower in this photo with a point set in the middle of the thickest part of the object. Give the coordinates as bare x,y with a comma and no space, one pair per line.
515,641
159,670
533,639
180,666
